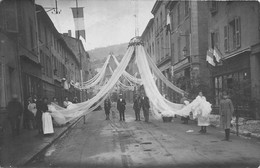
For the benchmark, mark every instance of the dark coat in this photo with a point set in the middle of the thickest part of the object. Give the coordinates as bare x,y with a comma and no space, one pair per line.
226,110
41,108
14,109
137,104
145,103
121,105
107,104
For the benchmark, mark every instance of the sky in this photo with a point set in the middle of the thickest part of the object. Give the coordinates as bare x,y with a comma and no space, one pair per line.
107,22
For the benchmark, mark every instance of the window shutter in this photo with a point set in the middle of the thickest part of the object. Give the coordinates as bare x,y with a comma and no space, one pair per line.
238,31
226,38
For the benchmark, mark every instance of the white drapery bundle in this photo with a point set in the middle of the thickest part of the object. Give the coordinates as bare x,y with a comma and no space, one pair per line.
160,105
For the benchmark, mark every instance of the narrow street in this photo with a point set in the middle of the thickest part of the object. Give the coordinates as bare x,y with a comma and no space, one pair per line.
101,143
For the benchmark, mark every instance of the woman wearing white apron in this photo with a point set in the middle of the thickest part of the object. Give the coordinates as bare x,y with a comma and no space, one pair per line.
46,118
202,111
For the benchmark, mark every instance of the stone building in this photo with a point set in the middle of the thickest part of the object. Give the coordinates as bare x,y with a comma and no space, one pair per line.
83,57
236,35
189,44
162,42
60,65
20,69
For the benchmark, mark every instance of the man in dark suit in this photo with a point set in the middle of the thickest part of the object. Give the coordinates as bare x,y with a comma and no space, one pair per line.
121,107
107,107
145,106
15,110
137,107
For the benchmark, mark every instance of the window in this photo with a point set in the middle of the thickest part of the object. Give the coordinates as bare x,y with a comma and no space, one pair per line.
39,31
213,7
31,35
226,38
186,8
162,49
172,21
215,39
161,20
46,36
10,16
238,32
187,39
179,14
179,48
232,34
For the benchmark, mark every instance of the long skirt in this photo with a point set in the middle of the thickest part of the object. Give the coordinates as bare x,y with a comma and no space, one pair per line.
47,123
203,120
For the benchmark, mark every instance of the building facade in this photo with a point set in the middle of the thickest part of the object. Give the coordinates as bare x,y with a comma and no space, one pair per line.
162,39
189,44
83,58
236,35
60,65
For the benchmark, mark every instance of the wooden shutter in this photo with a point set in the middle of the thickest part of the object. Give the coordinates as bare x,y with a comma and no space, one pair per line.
226,38
238,31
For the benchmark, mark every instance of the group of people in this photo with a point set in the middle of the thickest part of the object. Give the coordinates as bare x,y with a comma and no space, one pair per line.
37,114
202,112
140,102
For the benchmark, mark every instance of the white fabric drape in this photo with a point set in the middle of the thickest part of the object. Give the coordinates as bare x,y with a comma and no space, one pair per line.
84,107
160,105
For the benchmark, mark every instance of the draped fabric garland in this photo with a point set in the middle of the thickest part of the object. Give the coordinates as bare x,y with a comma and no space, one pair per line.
160,105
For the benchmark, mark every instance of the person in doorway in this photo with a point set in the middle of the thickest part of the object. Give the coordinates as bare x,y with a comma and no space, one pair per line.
226,110
107,107
145,106
15,110
202,112
185,119
121,107
137,107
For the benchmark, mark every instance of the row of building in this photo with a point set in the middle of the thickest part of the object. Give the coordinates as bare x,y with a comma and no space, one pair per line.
35,58
180,35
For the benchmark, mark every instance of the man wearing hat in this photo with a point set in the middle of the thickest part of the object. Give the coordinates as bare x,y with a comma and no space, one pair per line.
121,107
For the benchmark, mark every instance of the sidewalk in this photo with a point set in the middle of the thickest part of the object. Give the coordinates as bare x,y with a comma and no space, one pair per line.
247,128
19,150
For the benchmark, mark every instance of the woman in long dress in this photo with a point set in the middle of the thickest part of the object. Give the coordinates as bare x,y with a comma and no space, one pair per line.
202,111
47,125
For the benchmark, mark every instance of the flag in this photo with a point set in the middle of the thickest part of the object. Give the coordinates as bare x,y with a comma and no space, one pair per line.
217,54
210,58
78,16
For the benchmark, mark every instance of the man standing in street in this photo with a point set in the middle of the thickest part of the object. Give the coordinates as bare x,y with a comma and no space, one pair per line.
137,107
145,106
15,110
121,107
107,107
226,110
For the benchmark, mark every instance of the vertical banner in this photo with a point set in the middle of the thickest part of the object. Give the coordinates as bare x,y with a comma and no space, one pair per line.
78,15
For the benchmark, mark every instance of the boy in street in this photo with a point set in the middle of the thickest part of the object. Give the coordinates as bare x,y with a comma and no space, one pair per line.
226,110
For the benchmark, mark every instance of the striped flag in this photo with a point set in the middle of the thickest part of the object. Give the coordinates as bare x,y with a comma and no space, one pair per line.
210,58
78,16
217,54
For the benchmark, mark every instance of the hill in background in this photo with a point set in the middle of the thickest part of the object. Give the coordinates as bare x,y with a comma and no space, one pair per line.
98,56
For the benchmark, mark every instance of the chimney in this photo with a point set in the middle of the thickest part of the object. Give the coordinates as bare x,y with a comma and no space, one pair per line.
69,33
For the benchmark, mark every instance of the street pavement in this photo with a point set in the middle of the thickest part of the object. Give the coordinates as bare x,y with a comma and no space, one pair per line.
100,143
